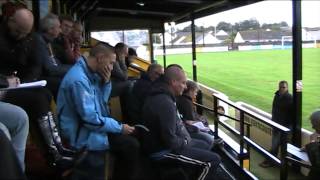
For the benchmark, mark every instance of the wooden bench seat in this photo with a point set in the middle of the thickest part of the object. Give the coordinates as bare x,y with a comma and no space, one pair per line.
229,141
298,156
232,148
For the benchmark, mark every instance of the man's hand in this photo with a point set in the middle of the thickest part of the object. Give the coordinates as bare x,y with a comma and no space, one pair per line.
126,129
190,122
104,73
13,81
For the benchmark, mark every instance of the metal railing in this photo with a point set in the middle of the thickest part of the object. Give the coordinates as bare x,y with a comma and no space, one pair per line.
245,137
284,132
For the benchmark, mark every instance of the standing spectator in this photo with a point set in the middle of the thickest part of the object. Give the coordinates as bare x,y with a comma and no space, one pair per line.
84,115
282,114
168,139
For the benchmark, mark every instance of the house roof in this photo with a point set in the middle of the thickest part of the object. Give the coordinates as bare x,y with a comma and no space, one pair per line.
263,34
312,29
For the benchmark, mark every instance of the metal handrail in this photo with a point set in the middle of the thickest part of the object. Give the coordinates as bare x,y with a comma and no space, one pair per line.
220,114
246,140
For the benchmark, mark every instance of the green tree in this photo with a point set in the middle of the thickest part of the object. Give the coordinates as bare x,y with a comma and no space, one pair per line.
224,26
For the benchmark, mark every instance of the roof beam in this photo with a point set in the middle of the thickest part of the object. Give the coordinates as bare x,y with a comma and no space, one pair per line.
186,1
135,12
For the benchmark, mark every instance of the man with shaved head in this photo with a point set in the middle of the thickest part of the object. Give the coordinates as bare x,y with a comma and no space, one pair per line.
20,24
168,139
17,46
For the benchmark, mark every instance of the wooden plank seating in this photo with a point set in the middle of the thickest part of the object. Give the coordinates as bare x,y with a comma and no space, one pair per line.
140,63
232,148
229,141
298,156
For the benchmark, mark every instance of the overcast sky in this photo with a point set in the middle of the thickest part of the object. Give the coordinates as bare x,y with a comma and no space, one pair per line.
266,12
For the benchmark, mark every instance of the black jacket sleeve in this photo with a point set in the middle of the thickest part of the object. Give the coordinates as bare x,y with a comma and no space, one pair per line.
33,70
51,65
185,107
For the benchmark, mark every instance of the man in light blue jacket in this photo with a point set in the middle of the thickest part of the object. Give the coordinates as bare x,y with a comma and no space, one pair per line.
84,116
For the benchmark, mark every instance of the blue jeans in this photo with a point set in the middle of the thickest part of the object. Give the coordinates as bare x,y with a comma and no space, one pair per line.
16,121
204,137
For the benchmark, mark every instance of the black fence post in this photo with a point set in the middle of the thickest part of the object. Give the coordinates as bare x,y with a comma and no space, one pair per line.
215,105
199,101
241,137
283,154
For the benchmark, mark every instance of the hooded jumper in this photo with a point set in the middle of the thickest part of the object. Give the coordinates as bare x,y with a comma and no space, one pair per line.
160,114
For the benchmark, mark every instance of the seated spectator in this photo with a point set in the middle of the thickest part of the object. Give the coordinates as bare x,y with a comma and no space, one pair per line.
189,114
313,148
61,43
131,54
16,122
121,85
16,36
73,44
9,164
53,69
140,91
119,74
168,139
315,121
85,120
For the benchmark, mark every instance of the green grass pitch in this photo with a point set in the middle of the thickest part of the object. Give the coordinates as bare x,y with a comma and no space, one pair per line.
253,76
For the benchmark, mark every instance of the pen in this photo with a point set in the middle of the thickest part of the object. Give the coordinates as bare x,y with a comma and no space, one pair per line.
14,73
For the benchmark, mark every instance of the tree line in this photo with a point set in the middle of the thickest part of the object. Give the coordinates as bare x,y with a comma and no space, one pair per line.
251,24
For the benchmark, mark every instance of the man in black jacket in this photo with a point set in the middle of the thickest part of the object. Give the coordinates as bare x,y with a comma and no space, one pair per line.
140,90
168,139
282,114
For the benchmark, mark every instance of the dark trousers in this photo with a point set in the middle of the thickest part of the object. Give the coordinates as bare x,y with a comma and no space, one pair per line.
125,148
35,101
91,168
196,156
276,135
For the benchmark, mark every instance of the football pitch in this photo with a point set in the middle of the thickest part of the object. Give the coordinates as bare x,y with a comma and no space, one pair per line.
253,76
